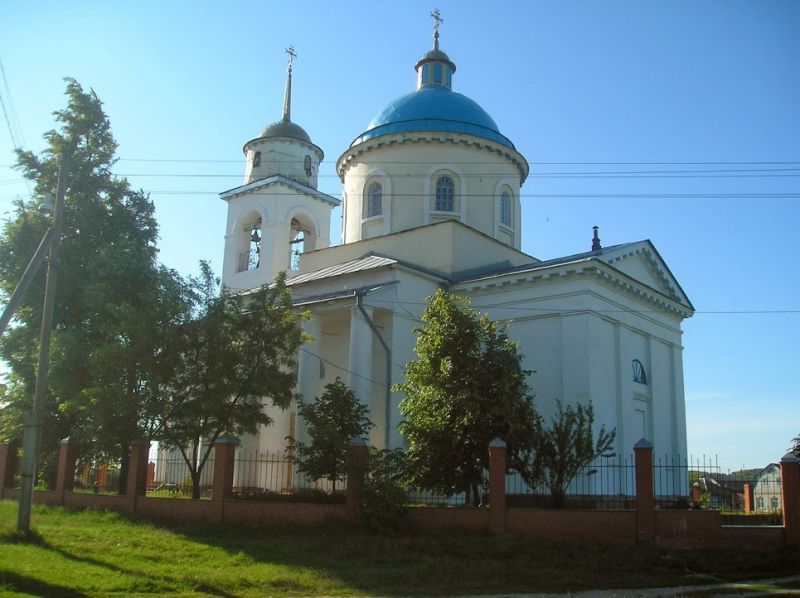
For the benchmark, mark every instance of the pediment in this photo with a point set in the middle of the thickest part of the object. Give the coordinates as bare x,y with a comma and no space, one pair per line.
642,262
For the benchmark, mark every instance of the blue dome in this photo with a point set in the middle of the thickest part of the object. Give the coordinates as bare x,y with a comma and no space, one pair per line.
433,108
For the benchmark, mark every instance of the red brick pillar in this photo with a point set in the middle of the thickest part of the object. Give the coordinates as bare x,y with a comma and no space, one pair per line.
8,465
355,475
645,498
224,462
65,479
790,499
137,473
497,486
747,490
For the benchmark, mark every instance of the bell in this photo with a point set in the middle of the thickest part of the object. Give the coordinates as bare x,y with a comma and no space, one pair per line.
255,237
47,206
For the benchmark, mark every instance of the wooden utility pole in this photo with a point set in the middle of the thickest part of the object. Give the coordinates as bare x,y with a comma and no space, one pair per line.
33,419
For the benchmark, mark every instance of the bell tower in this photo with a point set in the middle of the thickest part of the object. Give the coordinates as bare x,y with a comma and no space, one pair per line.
277,213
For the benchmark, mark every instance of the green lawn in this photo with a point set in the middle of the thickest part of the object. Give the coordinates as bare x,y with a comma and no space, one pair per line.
93,553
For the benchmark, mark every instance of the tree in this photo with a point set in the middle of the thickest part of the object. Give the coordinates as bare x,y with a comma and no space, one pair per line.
796,448
333,420
564,448
109,306
466,388
231,356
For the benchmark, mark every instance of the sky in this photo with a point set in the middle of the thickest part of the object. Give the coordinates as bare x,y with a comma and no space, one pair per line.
676,121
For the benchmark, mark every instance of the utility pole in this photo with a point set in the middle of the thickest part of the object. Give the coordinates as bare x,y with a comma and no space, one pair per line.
33,419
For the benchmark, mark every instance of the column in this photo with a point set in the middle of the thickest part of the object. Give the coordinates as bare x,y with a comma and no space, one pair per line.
65,479
224,459
645,499
497,486
359,376
790,499
137,473
355,475
8,465
308,370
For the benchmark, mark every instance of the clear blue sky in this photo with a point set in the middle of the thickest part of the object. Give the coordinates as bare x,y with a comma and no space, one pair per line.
591,91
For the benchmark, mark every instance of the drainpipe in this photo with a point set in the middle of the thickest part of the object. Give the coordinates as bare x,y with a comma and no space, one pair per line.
371,324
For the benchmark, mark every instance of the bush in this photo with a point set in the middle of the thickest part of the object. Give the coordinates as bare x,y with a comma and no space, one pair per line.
383,497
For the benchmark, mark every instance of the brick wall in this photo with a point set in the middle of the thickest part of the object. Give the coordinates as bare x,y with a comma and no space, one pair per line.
646,523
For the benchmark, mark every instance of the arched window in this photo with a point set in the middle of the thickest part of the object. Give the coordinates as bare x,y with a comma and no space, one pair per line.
297,236
505,208
639,374
250,246
257,159
445,194
374,200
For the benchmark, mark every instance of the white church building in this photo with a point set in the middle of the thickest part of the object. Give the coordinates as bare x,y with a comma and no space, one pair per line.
431,200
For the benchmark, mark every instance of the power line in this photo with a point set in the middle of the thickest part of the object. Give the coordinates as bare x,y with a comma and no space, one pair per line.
550,310
682,163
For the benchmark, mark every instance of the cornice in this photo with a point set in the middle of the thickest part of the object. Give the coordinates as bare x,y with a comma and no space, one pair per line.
356,151
588,267
278,179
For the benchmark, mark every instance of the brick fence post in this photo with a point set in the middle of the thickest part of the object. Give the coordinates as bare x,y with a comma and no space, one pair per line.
790,499
747,490
222,482
8,465
356,473
645,498
497,486
65,478
137,473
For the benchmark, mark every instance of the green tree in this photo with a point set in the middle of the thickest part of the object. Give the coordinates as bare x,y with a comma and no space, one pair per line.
108,298
564,448
796,446
232,355
333,420
466,388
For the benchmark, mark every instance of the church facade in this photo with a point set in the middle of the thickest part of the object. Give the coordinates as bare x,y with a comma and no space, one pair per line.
431,199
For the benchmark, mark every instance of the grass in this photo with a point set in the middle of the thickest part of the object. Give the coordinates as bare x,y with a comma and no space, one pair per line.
93,553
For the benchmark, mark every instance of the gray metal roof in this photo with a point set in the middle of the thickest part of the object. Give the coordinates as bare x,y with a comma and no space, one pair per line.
369,262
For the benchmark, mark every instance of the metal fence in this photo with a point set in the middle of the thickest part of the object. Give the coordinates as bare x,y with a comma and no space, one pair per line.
97,477
732,493
265,476
608,483
169,476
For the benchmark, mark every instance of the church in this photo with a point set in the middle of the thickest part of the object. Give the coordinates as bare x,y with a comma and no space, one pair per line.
431,200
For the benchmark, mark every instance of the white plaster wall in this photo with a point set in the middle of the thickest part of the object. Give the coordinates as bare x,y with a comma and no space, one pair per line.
580,341
277,204
283,156
412,168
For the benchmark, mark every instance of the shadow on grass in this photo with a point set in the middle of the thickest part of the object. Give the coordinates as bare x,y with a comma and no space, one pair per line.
472,563
20,583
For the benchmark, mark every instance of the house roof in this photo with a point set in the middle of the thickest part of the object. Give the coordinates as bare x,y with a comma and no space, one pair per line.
368,262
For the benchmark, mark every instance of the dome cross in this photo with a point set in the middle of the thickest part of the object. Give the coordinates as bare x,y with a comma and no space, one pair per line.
437,20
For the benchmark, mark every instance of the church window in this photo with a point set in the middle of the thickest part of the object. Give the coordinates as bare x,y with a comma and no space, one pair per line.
445,194
297,237
639,374
424,74
505,208
437,73
374,200
257,159
249,259
449,73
